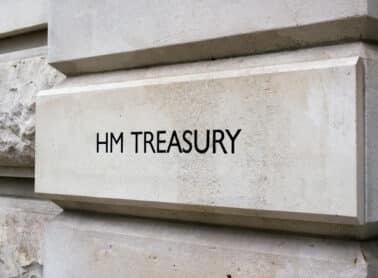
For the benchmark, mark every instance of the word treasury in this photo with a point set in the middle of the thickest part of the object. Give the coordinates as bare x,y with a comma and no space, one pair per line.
163,141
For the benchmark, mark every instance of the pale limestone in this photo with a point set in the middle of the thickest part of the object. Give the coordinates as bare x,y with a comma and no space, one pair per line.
22,16
20,80
287,115
366,51
195,30
327,188
21,235
89,245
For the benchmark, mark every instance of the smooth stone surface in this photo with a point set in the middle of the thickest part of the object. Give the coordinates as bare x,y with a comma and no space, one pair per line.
86,245
232,29
371,114
22,224
22,16
22,75
363,50
300,153
367,51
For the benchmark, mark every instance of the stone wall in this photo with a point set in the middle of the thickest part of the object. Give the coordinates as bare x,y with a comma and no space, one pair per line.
297,199
20,80
22,222
23,72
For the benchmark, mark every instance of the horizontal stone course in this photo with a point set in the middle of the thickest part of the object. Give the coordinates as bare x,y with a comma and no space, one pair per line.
22,16
93,245
195,30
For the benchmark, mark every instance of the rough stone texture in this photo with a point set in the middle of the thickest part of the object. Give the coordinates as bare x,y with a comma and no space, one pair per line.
20,80
21,232
85,245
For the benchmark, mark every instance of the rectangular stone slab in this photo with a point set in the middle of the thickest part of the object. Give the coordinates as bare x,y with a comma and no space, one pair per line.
176,32
132,247
22,16
299,154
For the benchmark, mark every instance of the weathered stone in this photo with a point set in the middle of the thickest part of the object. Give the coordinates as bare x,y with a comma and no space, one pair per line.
20,80
286,113
21,235
288,116
89,245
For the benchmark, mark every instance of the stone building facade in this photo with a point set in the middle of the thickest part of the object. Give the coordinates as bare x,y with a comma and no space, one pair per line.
188,138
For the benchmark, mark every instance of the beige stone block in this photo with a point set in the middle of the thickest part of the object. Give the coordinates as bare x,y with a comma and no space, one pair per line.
22,16
195,30
22,222
86,245
296,152
22,75
299,155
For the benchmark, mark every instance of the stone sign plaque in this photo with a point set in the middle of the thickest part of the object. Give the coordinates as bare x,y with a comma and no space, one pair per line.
278,141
